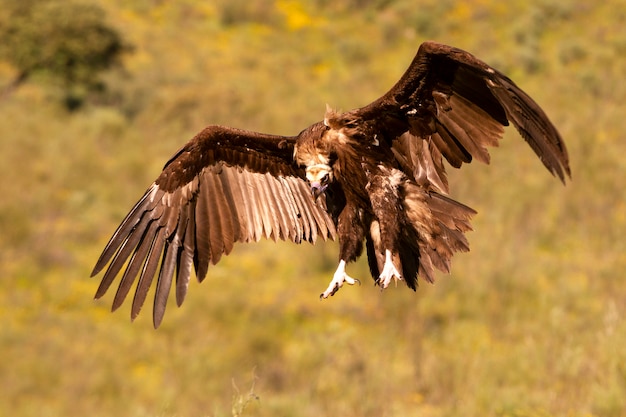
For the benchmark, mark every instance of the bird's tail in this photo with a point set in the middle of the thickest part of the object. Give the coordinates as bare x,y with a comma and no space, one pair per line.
435,230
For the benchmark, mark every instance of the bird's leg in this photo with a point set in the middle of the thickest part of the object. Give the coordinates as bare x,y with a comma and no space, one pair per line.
389,271
385,191
338,280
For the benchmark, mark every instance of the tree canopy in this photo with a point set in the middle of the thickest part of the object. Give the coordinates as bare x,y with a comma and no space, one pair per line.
67,42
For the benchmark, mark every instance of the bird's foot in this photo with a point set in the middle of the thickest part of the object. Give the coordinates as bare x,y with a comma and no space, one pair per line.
338,280
389,272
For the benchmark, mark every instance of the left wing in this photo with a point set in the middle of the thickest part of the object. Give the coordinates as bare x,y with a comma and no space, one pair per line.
225,186
449,103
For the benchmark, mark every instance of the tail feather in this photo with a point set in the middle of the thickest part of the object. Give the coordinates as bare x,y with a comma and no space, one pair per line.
434,234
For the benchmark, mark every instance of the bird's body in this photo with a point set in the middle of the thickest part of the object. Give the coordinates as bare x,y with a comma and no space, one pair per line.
373,177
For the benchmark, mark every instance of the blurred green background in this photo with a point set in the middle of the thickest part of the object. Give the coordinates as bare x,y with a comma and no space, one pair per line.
95,96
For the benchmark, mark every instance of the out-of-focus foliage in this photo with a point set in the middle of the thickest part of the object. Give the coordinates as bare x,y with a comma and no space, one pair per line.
63,40
532,322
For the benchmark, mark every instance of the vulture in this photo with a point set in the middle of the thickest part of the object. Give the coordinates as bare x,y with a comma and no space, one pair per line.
374,178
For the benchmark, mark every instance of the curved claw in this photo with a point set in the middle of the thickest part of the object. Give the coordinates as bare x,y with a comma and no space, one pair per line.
339,278
389,272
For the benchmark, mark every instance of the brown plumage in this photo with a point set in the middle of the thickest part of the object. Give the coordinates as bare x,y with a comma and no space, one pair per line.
373,177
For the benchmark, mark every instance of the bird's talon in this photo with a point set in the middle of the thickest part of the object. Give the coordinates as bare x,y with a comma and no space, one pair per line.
388,273
339,278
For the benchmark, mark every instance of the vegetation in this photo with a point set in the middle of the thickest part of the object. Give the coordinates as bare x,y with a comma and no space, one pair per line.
532,322
64,41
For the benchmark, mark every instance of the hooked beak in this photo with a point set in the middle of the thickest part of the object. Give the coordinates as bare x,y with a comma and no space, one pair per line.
317,189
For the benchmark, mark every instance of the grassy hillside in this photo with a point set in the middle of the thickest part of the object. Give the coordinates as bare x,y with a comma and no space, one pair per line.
532,322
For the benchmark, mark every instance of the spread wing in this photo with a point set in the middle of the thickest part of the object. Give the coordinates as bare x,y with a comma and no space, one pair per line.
450,104
224,186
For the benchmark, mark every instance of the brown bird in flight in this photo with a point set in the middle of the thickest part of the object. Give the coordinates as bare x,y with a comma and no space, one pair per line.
372,176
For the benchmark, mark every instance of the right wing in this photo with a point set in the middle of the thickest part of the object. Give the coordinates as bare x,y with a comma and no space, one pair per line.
225,186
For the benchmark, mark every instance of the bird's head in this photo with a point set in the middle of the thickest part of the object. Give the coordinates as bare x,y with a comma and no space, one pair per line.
319,176
312,151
